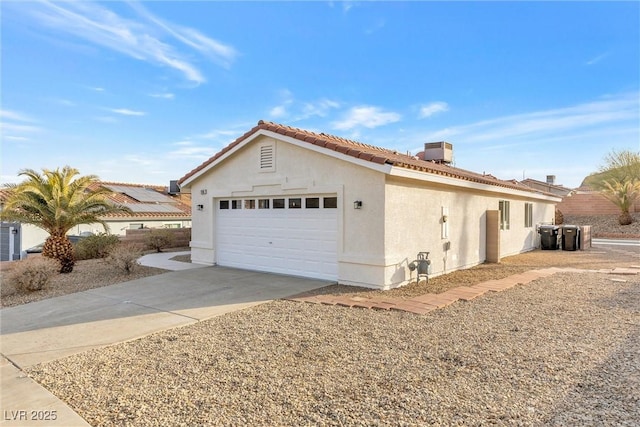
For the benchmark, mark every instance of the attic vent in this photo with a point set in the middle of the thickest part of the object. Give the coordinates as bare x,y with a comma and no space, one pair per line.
439,152
267,157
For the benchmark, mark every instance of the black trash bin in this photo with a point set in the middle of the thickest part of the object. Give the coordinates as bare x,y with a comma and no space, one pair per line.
570,238
549,235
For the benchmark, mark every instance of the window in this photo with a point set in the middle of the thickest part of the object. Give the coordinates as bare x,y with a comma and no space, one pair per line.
263,204
295,203
278,203
330,202
249,204
236,204
503,206
224,204
312,202
528,215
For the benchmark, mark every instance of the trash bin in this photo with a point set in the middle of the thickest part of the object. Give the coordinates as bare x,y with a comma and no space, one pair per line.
549,237
570,238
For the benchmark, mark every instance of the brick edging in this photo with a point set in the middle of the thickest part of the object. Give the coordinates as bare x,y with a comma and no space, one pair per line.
426,303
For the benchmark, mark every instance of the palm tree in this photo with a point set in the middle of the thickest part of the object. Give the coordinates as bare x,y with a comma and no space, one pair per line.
56,201
619,181
623,195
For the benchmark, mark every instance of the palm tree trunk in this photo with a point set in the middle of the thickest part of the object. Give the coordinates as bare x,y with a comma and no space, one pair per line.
59,247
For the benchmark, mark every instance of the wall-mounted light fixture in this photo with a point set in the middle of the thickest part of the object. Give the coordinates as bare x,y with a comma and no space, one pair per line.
14,231
203,191
357,204
200,207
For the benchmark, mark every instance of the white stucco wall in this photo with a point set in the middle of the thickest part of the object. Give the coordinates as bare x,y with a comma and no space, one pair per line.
298,171
414,223
32,235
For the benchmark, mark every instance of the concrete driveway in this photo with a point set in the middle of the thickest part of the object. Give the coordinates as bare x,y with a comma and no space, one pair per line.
54,328
47,330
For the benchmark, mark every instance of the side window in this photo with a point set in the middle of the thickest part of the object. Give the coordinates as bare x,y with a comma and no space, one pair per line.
503,206
528,215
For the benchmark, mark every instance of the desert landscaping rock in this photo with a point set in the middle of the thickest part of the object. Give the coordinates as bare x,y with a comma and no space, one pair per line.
563,350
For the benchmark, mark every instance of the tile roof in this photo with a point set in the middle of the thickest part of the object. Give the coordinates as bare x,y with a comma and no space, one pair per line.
365,152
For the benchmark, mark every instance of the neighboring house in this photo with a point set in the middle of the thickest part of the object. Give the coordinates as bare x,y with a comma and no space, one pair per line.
291,201
549,186
153,207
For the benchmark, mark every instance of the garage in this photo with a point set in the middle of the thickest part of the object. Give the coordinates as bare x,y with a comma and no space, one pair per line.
293,234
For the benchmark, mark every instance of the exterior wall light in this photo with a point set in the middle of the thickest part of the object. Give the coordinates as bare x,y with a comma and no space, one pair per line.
200,207
357,204
444,218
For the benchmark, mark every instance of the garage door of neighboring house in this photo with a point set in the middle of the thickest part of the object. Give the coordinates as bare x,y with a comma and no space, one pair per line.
10,234
295,235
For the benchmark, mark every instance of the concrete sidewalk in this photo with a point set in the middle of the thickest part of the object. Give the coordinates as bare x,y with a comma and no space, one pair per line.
163,260
50,329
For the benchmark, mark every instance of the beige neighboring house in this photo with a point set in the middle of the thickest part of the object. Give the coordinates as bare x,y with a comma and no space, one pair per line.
291,201
153,206
548,186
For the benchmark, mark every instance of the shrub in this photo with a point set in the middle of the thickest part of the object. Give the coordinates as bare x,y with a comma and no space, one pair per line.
125,257
96,246
158,239
33,274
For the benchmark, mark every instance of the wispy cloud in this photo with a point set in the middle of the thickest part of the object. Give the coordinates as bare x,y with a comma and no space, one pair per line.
296,110
148,39
548,123
366,116
164,95
597,59
191,150
378,25
15,126
127,112
432,108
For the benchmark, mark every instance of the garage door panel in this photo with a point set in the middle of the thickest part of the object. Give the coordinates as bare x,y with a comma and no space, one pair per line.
288,241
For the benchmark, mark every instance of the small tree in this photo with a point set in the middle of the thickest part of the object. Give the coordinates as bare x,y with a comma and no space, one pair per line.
623,195
619,181
158,239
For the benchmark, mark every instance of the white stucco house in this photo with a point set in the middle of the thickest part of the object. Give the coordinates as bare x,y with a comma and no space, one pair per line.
291,201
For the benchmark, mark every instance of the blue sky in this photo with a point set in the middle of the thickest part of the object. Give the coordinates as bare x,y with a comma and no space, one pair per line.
143,92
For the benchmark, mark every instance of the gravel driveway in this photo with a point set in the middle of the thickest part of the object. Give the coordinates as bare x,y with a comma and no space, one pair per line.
563,350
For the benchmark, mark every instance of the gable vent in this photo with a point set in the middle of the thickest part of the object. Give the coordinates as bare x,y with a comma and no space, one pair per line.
267,158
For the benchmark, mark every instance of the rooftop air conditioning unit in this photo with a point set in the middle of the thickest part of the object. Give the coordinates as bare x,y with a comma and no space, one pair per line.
174,188
439,152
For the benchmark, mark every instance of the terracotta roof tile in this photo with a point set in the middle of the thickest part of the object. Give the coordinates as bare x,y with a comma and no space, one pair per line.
366,152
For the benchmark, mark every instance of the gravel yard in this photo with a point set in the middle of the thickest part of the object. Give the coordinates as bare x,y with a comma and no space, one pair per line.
560,351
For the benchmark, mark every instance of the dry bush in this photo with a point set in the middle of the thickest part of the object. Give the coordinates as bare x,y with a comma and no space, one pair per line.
33,274
159,239
96,246
125,257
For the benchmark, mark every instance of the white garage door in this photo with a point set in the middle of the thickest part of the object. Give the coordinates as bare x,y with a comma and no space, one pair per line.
294,235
